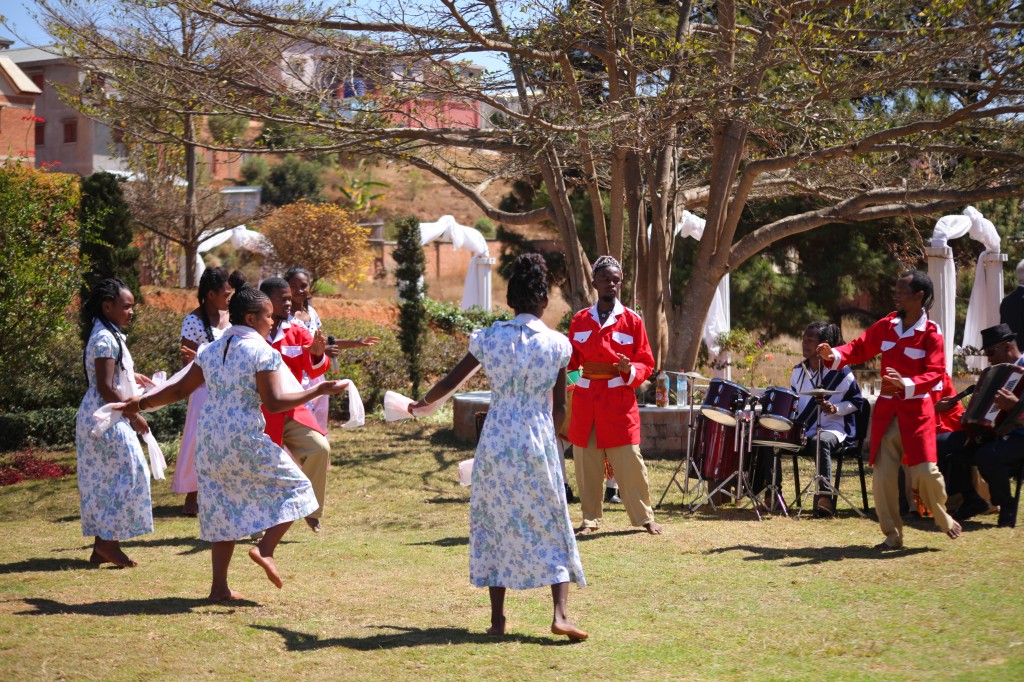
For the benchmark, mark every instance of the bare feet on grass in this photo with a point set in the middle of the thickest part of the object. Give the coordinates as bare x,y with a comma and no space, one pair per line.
109,552
497,627
653,528
585,530
224,595
191,506
565,627
267,562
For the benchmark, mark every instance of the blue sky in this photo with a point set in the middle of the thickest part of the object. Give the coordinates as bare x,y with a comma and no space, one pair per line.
17,14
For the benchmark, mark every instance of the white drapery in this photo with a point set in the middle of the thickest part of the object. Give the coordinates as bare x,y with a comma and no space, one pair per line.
719,319
241,238
987,292
477,289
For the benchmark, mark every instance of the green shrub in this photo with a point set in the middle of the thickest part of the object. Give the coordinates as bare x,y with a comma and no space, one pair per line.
449,317
55,427
408,254
154,339
486,227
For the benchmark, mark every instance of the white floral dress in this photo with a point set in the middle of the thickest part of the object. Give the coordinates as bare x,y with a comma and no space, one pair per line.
520,534
246,482
113,476
185,480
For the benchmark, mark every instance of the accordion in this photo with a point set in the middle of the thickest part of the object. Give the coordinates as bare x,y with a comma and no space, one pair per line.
982,416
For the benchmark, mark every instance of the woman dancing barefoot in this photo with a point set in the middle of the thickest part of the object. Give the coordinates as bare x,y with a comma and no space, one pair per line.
113,477
246,482
520,534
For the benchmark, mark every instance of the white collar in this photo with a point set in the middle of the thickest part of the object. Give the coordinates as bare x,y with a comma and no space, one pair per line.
531,322
919,327
280,332
617,310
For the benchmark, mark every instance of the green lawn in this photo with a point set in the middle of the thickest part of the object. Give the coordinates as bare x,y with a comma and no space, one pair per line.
383,592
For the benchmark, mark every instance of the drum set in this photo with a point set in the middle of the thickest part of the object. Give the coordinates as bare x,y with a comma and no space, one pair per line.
720,459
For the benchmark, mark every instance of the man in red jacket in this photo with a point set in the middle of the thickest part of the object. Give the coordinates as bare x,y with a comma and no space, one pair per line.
298,429
610,344
903,422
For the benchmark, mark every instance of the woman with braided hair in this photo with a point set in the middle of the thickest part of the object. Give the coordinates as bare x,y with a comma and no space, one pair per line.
520,534
113,476
203,325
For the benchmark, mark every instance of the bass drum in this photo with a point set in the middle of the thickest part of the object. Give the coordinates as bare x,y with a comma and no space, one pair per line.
714,448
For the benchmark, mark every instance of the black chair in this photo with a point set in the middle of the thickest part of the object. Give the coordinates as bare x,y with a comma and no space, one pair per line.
1016,495
850,449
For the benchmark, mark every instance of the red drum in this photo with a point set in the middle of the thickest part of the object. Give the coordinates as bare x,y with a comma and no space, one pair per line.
714,449
778,408
793,438
719,403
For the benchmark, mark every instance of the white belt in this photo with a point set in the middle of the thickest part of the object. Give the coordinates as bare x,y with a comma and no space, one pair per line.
612,383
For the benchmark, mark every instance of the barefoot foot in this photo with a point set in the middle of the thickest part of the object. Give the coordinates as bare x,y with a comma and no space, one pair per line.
314,524
653,528
111,553
569,630
954,531
585,530
224,595
497,628
267,562
191,506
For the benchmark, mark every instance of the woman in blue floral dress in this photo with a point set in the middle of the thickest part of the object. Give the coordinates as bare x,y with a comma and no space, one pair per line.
113,477
246,482
520,534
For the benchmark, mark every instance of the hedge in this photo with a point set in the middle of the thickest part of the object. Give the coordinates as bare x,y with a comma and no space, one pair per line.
55,426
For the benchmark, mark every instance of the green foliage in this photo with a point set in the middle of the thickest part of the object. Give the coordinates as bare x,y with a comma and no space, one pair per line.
486,227
255,171
747,351
55,426
108,243
449,317
53,376
154,339
291,181
227,129
357,188
412,322
39,263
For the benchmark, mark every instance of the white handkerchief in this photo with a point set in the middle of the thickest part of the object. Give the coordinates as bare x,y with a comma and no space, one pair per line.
466,473
396,405
157,463
105,417
356,413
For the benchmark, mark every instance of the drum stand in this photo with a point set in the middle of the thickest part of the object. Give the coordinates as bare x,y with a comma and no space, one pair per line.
744,491
818,479
772,491
687,461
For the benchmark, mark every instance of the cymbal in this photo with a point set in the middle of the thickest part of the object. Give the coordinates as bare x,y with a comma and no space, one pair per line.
819,392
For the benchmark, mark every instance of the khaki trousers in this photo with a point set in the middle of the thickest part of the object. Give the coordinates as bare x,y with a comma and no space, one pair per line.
630,472
924,477
312,452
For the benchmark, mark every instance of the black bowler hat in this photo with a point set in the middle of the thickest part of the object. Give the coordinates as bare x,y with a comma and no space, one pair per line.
996,334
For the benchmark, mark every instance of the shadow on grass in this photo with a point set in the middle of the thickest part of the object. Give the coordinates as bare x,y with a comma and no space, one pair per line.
448,500
163,606
45,565
443,542
609,534
809,556
402,637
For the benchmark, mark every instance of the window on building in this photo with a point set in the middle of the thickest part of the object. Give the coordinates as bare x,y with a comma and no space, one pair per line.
40,134
38,80
70,132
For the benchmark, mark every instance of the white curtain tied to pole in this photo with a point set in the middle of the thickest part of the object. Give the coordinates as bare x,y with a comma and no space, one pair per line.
719,320
242,238
987,292
477,289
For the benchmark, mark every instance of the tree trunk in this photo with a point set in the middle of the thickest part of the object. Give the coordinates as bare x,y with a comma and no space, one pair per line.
576,265
190,226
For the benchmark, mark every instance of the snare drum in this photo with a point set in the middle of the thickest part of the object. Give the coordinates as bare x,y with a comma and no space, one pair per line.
715,450
720,400
793,438
778,408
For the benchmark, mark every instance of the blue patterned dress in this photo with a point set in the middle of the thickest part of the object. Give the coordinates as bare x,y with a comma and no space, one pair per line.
246,482
113,476
520,534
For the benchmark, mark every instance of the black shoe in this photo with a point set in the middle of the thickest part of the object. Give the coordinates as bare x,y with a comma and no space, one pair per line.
970,508
568,494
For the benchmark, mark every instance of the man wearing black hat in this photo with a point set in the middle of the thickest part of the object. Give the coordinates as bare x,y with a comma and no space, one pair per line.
995,459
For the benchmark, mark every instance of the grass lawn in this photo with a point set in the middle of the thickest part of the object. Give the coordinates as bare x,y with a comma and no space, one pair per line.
383,592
